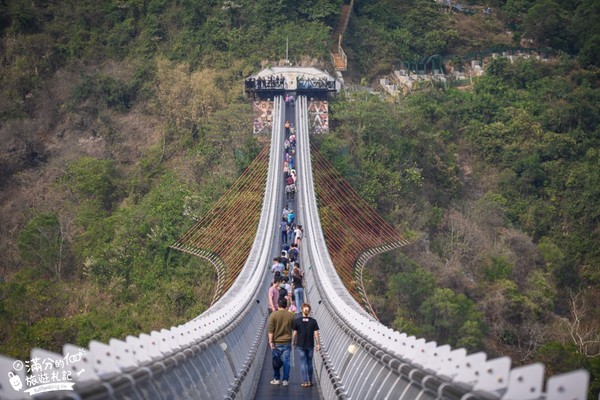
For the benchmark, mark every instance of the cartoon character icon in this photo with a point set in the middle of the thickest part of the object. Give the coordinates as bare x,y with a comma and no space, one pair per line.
15,381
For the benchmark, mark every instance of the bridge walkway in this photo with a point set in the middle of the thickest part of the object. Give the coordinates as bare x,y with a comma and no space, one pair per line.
266,391
294,391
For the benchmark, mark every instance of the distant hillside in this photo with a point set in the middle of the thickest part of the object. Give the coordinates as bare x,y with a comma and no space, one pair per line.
381,34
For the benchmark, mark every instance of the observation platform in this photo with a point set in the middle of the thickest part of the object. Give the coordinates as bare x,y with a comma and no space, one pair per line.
275,81
290,83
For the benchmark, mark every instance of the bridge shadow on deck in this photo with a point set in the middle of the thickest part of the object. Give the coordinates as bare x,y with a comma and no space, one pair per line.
292,392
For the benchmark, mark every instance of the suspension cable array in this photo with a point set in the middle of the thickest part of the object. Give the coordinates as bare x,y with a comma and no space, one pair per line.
353,230
224,235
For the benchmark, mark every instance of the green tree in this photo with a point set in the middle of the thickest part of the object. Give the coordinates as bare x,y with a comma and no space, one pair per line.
42,244
452,318
498,268
411,288
588,54
106,90
23,17
93,179
547,22
471,335
323,10
441,313
585,26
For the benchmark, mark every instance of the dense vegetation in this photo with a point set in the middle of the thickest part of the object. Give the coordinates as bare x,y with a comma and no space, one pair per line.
499,188
383,33
500,196
122,121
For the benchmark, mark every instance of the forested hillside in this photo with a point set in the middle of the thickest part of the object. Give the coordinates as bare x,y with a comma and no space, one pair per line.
498,186
122,122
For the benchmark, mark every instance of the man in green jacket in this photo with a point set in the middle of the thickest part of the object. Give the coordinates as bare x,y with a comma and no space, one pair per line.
281,323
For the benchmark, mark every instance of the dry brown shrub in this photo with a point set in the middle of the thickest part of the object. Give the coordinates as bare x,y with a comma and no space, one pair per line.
494,306
465,238
410,214
478,31
137,132
420,250
187,97
306,61
525,255
455,276
488,213
84,297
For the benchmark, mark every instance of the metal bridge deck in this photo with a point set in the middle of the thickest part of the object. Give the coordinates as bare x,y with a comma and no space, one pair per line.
266,391
294,391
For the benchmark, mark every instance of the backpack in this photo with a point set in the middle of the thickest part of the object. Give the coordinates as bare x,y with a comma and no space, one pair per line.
293,253
277,361
282,292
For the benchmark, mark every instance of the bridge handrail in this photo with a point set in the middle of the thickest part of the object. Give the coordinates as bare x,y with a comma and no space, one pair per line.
362,358
212,356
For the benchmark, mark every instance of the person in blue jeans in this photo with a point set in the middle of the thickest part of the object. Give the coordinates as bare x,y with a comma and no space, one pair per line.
281,323
297,281
283,226
306,339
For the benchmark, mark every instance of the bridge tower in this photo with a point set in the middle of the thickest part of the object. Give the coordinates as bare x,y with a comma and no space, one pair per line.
290,82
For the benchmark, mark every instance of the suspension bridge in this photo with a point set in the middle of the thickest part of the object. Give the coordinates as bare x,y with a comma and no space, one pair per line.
223,353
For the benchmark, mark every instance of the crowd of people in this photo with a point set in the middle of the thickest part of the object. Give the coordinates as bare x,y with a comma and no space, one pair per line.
290,323
316,83
270,82
279,82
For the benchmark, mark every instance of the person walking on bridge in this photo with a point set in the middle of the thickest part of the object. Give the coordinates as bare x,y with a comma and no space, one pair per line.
277,267
306,339
289,192
293,253
281,323
285,213
299,235
283,226
297,281
287,128
274,295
